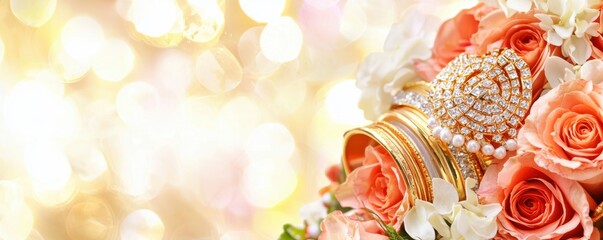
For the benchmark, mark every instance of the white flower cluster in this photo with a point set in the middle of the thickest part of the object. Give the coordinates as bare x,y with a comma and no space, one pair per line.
568,23
450,218
384,73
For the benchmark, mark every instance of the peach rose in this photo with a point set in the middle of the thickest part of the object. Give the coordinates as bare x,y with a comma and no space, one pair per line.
377,185
454,35
537,204
597,42
338,226
521,33
565,131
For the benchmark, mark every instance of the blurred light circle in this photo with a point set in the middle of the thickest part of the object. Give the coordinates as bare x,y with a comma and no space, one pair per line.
2,49
267,184
322,4
16,220
143,224
322,26
47,165
263,10
270,143
87,161
91,219
195,230
33,12
218,70
114,61
35,235
205,22
253,60
233,131
66,66
353,22
281,40
174,70
342,103
137,103
82,37
154,18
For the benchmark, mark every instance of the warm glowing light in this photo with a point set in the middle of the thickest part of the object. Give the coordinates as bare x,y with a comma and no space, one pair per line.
114,61
262,190
16,220
270,143
353,22
206,22
341,103
174,71
33,12
142,224
218,70
322,4
1,50
137,103
233,131
66,66
47,166
263,10
87,161
90,219
35,109
154,18
82,37
281,40
253,60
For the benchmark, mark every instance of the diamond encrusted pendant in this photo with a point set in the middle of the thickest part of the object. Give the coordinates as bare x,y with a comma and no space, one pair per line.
479,102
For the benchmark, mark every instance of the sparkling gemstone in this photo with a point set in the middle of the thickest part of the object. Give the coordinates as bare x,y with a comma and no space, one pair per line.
479,136
463,120
512,132
527,84
524,104
497,137
448,104
514,99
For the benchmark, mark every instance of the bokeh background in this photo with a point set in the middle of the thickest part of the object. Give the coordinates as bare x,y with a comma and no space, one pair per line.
177,119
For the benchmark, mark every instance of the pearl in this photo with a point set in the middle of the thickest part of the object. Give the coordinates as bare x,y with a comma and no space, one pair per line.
500,152
511,145
436,131
432,123
472,146
446,135
488,149
458,140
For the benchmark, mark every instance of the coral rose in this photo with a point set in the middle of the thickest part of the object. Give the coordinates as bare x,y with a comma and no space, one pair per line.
597,41
565,131
338,226
455,34
377,185
521,33
537,204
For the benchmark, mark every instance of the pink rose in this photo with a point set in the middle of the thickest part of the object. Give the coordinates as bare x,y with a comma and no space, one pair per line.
338,226
521,33
565,131
377,185
454,35
536,203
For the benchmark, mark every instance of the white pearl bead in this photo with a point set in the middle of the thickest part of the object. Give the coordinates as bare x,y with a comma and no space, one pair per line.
446,135
488,149
500,152
432,123
472,146
458,140
436,131
511,145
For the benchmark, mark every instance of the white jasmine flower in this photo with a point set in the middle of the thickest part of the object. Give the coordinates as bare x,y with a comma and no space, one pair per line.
382,74
558,71
449,217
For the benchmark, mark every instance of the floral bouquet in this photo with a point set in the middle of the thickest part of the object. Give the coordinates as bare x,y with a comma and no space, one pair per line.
490,128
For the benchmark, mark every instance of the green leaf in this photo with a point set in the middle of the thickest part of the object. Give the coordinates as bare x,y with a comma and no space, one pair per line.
290,232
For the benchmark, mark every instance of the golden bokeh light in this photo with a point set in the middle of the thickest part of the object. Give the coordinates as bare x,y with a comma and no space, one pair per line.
263,11
33,12
82,37
114,61
175,119
218,70
281,40
143,224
